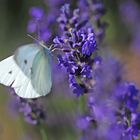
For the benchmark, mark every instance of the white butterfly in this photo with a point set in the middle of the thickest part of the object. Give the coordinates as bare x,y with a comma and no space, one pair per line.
28,71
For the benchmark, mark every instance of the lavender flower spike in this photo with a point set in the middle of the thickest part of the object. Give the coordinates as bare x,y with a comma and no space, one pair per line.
78,41
32,110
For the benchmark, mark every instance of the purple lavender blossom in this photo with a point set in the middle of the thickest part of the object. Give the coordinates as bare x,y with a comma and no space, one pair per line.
42,22
70,21
130,10
79,44
89,46
128,110
107,74
83,122
32,110
39,23
94,10
113,104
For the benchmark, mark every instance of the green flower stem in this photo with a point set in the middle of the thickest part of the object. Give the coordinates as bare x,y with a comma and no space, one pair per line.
82,104
43,133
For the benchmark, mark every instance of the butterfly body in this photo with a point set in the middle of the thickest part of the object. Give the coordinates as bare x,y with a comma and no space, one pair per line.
28,71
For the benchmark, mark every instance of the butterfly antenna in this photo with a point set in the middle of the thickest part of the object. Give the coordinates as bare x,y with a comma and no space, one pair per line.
38,32
40,43
32,37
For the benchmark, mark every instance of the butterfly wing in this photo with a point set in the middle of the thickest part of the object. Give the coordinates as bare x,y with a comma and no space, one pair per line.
24,57
26,89
11,75
41,72
16,71
8,71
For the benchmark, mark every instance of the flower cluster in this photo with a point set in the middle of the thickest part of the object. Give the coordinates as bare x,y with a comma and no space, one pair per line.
95,10
80,49
39,23
130,10
128,115
32,110
113,106
102,106
43,22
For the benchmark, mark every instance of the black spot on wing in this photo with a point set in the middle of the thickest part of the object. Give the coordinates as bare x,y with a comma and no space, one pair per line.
25,61
10,72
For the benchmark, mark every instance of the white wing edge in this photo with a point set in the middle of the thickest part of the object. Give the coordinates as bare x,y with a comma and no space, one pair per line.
11,75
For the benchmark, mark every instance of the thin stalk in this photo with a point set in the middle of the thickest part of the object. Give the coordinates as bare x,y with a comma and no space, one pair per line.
43,133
